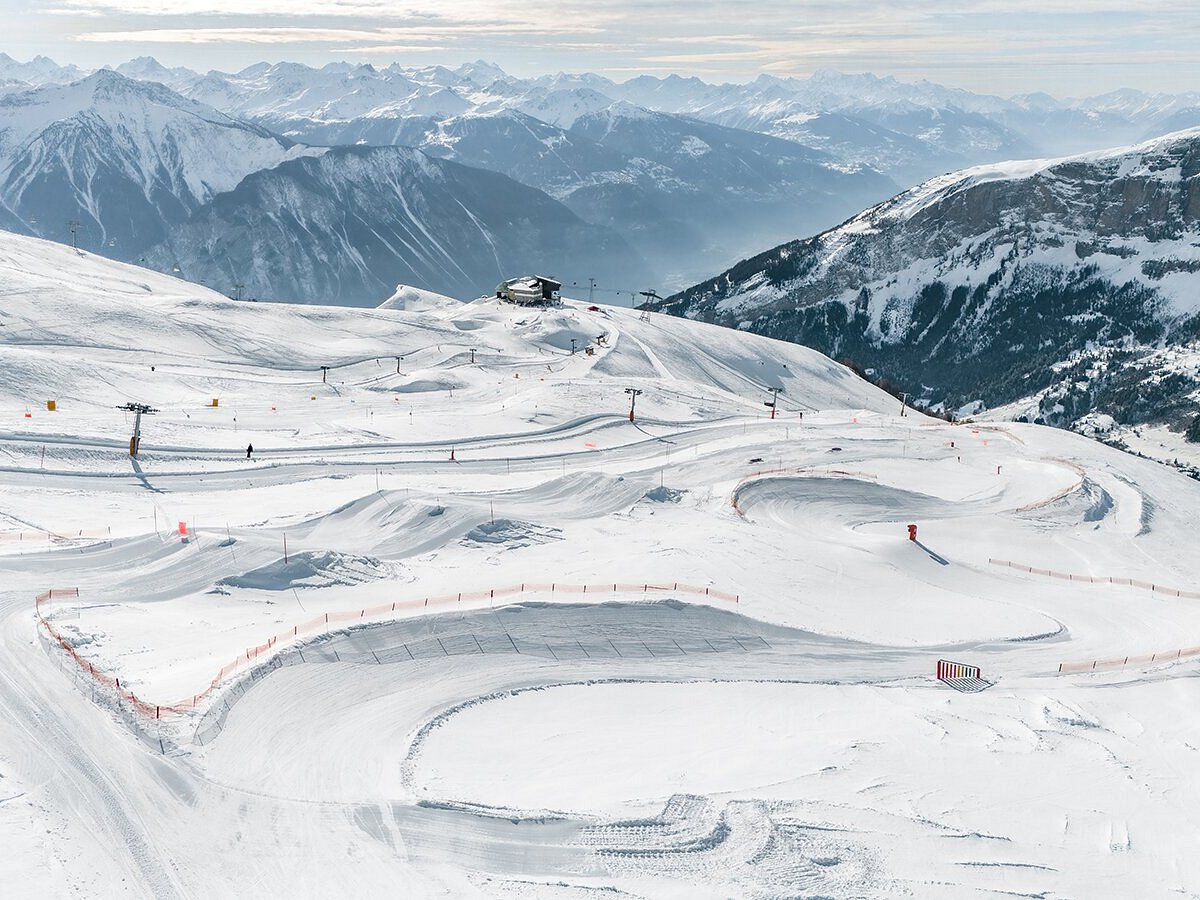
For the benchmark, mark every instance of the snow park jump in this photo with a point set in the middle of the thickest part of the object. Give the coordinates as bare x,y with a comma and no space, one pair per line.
381,650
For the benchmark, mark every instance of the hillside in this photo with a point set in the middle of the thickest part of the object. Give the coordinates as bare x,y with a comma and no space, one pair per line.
346,227
456,622
125,159
1063,287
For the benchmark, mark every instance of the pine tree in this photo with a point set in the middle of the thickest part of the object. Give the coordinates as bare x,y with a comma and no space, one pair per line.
1193,432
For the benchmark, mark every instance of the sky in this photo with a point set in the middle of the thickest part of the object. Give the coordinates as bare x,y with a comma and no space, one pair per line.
1063,47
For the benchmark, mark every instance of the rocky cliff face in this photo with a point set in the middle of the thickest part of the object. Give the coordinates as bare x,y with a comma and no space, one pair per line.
1054,285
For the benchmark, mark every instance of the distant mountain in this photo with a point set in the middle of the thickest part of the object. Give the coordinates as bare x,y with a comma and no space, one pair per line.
681,190
908,131
39,70
289,95
126,159
734,189
147,68
1063,287
348,226
290,98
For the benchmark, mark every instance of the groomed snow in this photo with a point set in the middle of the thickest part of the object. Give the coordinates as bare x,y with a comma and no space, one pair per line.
552,743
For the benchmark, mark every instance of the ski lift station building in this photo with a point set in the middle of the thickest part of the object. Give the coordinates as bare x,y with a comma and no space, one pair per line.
529,290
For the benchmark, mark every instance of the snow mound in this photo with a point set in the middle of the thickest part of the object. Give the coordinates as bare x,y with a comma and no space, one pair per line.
313,569
412,299
556,329
664,495
511,534
428,385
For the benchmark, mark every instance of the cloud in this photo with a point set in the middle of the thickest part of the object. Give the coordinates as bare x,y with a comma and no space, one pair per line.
966,39
415,36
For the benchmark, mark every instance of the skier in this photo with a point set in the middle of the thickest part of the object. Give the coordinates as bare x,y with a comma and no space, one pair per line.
249,450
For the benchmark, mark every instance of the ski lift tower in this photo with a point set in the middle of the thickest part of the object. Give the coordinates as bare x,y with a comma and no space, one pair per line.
633,395
774,401
650,296
139,410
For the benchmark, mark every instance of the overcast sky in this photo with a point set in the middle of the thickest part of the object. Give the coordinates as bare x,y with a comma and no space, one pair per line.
1064,47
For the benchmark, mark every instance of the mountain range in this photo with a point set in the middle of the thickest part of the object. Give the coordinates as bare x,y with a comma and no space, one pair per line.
690,176
1053,289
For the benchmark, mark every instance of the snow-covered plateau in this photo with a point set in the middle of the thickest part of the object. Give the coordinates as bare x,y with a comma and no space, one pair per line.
359,659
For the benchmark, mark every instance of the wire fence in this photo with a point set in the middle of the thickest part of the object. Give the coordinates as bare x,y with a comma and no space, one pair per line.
257,655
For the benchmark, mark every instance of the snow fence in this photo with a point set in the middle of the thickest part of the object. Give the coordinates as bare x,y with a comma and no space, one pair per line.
130,702
1158,658
1098,579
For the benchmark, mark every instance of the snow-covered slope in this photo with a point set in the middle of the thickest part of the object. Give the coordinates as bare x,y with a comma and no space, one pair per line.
742,703
126,159
1056,279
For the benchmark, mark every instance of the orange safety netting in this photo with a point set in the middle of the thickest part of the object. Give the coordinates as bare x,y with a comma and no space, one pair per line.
1098,579
253,655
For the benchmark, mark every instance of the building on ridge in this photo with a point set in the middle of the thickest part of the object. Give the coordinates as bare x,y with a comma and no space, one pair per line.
529,290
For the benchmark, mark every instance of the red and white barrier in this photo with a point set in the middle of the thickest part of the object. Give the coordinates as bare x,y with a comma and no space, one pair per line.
77,535
947,670
963,678
254,655
1144,660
